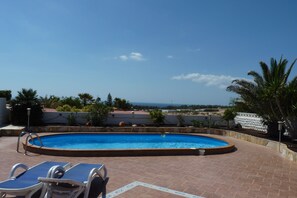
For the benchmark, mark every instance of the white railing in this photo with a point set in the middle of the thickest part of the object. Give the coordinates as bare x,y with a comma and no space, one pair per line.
250,121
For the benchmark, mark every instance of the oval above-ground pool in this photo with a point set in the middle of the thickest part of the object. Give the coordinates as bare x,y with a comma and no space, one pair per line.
128,144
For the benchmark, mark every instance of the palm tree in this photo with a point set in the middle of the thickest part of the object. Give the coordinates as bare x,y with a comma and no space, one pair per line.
270,95
50,102
27,96
85,98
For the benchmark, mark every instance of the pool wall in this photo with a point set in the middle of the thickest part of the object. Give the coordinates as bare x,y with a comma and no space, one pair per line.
131,152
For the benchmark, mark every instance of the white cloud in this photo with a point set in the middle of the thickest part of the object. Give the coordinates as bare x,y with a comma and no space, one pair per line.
220,81
169,56
123,57
133,56
136,56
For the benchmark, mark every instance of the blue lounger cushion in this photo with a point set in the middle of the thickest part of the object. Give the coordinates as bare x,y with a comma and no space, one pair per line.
76,181
27,182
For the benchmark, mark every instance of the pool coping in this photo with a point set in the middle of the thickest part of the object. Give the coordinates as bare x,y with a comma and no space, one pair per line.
282,149
132,152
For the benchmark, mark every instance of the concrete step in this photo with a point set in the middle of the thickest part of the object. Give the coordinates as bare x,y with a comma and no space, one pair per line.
11,130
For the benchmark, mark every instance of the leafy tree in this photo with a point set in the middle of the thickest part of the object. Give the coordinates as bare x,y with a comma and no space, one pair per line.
98,114
50,102
122,104
71,101
5,94
67,108
86,98
109,100
98,100
157,116
26,98
270,95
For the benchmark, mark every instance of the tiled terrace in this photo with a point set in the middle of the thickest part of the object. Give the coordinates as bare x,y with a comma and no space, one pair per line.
251,171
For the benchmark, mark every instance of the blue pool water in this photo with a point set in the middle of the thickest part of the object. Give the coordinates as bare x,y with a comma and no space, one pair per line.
87,141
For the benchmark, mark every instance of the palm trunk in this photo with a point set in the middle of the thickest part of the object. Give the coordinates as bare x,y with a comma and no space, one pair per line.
288,121
272,110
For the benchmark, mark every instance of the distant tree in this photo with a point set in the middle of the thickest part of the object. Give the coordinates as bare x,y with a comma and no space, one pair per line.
71,101
50,102
122,104
109,100
5,94
28,96
86,98
98,100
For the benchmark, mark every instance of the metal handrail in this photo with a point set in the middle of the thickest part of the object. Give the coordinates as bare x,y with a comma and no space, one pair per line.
21,135
29,135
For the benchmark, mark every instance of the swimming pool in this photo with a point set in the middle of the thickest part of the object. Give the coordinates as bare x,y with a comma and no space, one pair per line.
119,144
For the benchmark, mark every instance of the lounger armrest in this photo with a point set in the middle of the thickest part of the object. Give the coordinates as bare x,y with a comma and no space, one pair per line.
105,171
59,181
15,167
56,172
97,172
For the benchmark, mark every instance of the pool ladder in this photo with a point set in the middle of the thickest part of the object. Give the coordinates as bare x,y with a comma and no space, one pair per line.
28,138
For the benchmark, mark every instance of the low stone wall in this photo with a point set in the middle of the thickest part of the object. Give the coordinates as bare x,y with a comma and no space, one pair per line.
59,129
281,148
11,130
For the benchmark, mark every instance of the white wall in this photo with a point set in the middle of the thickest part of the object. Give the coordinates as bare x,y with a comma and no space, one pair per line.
116,118
3,111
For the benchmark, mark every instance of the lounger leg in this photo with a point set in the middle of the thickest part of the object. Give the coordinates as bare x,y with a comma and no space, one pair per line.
2,195
104,192
104,188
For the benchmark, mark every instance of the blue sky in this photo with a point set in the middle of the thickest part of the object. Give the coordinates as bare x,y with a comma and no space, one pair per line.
165,51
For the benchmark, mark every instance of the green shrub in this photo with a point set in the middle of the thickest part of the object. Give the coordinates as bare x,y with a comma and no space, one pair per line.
67,108
180,120
197,123
229,114
71,101
71,120
86,108
98,114
157,116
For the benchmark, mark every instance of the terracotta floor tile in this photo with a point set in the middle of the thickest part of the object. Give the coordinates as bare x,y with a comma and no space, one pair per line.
251,171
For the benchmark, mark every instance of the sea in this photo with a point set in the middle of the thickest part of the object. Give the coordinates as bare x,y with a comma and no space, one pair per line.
158,105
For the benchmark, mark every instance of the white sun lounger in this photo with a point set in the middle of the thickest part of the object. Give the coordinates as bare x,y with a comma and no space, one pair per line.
86,179
26,183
